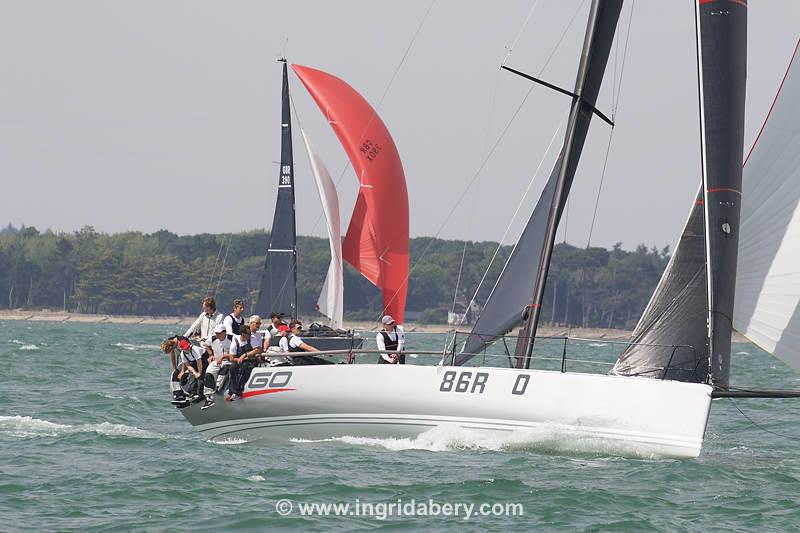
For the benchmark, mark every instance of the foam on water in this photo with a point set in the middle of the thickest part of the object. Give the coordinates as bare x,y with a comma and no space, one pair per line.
28,347
255,477
597,344
27,426
228,441
552,438
134,347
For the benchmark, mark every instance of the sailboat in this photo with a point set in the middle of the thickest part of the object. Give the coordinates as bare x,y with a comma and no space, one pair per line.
657,399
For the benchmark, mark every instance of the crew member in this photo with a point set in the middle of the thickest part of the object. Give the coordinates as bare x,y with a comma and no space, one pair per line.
244,357
218,366
234,321
391,339
187,369
291,342
202,329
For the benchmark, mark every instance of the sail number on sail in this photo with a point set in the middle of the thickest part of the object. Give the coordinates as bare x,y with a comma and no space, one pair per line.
370,149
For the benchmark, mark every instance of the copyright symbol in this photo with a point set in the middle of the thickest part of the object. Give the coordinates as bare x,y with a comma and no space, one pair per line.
284,507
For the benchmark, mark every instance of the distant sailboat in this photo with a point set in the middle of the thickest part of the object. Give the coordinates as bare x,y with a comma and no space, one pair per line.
278,291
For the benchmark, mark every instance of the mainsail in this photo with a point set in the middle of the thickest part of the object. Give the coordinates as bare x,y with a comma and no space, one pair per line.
722,54
376,243
767,307
331,297
278,291
525,273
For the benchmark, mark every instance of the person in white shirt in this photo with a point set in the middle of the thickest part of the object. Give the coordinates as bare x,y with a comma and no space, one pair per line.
202,329
244,357
187,369
291,342
256,337
392,340
219,358
234,321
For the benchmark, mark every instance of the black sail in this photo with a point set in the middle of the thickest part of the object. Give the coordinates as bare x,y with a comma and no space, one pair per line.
279,281
526,270
671,339
673,317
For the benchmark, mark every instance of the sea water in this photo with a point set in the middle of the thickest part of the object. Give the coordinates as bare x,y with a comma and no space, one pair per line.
89,441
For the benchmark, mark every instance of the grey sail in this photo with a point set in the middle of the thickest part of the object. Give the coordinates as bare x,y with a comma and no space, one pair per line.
278,291
671,339
510,302
673,317
507,304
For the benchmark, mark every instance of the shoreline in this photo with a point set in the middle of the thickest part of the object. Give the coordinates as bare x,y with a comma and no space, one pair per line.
46,315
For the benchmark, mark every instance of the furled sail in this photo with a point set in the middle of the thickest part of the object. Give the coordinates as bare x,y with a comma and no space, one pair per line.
278,292
331,297
671,339
376,243
510,302
767,307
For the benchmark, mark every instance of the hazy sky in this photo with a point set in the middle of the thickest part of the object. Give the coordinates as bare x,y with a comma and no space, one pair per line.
166,114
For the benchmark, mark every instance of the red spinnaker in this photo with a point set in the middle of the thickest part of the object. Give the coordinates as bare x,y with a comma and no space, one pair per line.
377,240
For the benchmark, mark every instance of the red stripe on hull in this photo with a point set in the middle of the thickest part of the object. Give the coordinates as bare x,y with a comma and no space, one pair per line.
265,391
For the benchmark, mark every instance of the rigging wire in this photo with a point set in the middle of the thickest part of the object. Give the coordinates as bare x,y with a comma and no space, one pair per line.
477,173
759,426
380,101
493,101
222,268
614,108
214,270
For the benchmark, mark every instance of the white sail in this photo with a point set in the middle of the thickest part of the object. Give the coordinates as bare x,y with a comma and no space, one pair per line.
767,307
330,301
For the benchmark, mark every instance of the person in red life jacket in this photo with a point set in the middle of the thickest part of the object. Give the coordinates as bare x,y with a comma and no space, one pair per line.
234,321
392,340
291,341
244,357
187,369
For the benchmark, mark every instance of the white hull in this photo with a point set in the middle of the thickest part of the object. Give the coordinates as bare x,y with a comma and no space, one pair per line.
664,418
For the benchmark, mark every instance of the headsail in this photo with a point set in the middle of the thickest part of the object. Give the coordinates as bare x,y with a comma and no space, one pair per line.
377,239
672,319
671,339
767,307
331,297
279,281
526,271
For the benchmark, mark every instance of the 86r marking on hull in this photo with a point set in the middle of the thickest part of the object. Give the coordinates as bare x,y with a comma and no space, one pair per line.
465,379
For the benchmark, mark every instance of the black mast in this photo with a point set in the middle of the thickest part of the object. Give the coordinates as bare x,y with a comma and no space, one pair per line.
600,30
722,76
279,281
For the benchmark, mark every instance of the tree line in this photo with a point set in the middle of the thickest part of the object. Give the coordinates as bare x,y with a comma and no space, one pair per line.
166,274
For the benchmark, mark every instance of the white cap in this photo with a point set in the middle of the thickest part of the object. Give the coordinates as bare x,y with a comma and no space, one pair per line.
387,319
219,328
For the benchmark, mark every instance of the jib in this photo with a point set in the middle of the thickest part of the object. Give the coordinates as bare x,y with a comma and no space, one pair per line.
269,379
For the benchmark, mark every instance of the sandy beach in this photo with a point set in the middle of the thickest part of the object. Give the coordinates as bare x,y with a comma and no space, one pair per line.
46,315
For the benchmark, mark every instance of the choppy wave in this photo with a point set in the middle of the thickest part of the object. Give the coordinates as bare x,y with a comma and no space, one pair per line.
548,438
133,347
255,477
27,426
228,441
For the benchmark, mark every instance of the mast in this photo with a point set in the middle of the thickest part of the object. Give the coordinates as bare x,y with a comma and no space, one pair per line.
278,291
599,36
721,27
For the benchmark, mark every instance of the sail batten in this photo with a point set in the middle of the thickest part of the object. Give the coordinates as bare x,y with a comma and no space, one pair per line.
278,290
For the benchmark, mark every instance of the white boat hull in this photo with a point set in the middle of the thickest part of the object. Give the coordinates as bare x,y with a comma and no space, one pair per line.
653,417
